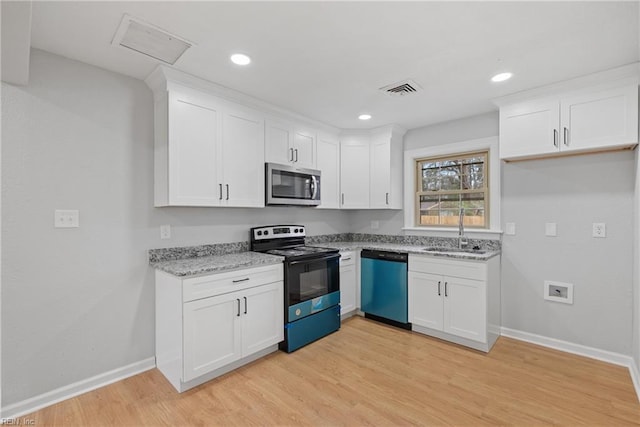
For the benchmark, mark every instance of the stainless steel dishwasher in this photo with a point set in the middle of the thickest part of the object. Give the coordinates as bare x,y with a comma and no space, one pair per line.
384,286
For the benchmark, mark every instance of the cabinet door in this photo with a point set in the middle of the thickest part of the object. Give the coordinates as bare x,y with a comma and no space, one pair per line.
425,300
262,317
193,151
354,174
529,129
304,147
243,158
607,118
465,308
347,286
278,142
380,187
212,336
328,157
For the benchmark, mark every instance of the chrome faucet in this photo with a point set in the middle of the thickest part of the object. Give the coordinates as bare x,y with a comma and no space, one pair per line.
462,241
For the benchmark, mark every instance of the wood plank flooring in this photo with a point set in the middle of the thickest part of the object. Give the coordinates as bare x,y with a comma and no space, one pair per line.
372,374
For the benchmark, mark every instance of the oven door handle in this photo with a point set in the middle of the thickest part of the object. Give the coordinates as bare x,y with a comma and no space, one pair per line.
313,260
313,184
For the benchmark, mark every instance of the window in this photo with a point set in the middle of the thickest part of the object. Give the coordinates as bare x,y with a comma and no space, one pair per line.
445,185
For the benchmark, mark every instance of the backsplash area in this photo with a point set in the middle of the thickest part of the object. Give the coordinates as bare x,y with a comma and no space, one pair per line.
169,254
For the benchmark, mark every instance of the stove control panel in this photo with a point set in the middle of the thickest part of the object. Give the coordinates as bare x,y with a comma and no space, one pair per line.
278,232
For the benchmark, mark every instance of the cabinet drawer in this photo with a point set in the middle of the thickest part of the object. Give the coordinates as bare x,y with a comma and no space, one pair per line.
347,258
221,283
476,270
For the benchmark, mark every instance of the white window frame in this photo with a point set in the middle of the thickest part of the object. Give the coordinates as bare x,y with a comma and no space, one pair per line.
489,144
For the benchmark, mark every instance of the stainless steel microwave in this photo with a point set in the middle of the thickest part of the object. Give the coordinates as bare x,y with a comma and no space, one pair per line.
288,185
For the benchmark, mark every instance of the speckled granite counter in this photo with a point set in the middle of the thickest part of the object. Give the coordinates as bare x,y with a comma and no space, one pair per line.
216,263
412,249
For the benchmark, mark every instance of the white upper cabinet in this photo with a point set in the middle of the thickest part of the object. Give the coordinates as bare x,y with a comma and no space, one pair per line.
354,172
371,169
592,119
290,144
607,118
328,162
304,148
529,129
208,151
386,170
243,168
190,163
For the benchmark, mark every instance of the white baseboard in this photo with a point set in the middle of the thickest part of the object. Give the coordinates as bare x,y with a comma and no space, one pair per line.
63,393
580,350
635,377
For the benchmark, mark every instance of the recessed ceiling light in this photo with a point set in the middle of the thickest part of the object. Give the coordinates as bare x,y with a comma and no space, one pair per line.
364,116
240,59
501,77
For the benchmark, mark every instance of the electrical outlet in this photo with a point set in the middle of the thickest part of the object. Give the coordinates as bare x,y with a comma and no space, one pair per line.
375,225
66,218
165,231
599,229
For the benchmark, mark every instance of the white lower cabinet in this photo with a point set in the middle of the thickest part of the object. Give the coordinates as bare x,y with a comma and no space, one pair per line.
209,325
457,300
347,284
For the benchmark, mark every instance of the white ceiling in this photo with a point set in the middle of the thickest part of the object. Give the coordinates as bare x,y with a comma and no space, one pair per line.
326,60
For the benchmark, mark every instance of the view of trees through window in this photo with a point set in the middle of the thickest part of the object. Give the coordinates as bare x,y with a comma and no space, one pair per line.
448,184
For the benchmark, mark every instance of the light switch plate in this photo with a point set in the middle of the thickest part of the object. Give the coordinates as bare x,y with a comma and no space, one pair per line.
66,218
550,229
510,228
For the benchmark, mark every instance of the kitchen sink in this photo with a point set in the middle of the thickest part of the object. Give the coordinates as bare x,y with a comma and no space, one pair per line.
455,250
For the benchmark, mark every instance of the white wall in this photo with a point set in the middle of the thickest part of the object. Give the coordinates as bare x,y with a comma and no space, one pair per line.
636,267
80,302
475,127
573,192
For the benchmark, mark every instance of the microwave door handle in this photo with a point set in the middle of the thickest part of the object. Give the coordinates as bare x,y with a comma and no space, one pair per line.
313,184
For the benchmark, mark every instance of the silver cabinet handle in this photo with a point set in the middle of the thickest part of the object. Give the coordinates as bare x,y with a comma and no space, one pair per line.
439,288
227,191
238,299
220,191
240,280
445,290
555,138
387,197
566,136
245,305
291,159
346,259
343,198
296,151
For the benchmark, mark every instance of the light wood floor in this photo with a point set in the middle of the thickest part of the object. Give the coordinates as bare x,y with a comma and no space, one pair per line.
372,374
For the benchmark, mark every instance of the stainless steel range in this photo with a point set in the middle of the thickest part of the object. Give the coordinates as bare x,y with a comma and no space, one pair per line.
311,283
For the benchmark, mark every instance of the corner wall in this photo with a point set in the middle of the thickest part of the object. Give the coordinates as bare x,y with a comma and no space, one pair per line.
77,303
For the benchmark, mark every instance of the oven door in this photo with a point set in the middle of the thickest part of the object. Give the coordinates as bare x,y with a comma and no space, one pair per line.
312,278
287,185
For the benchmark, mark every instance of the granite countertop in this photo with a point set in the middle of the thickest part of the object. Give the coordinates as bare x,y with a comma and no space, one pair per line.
215,263
412,249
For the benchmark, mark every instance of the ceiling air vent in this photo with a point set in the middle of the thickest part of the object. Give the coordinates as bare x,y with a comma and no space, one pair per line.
405,87
150,40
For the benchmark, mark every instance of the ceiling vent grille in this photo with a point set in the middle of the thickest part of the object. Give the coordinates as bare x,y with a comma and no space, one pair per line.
149,40
405,87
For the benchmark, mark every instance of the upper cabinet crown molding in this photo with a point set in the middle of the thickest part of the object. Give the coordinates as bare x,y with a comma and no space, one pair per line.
163,77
